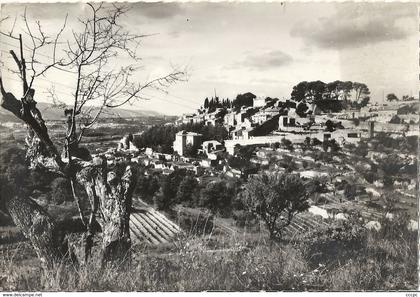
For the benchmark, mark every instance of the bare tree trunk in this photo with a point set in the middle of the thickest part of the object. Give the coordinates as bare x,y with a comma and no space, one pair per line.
37,225
110,194
109,191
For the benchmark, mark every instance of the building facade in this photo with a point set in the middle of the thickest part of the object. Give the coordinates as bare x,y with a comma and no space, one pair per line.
184,139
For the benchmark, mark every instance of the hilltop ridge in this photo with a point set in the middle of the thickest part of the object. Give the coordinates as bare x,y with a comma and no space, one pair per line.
52,112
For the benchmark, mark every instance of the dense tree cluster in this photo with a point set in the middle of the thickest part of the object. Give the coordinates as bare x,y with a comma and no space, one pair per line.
244,100
147,187
218,197
333,96
215,102
384,141
182,187
160,138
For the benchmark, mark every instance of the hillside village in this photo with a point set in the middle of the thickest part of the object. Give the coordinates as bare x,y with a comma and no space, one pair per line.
345,151
284,183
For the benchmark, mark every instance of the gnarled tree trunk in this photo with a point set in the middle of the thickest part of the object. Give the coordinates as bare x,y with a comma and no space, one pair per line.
35,223
47,238
110,192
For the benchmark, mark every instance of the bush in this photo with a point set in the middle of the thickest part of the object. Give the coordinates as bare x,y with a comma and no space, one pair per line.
315,141
83,153
146,187
169,188
287,144
188,191
218,197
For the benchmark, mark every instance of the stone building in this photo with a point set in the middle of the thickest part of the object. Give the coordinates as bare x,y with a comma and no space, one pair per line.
184,139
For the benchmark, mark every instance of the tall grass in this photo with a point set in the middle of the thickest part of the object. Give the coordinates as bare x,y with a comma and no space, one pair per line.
374,261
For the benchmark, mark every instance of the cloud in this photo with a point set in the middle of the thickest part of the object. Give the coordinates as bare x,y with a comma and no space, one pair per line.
158,10
358,25
267,60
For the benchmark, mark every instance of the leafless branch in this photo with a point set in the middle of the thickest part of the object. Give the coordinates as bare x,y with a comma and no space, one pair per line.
88,54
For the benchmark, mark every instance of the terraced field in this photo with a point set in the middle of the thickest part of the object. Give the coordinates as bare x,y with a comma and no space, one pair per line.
150,226
303,222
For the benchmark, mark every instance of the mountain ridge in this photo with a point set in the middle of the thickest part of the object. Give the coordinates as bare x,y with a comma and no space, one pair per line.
51,112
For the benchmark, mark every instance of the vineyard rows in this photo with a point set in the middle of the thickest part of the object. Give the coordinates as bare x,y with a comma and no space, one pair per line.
150,226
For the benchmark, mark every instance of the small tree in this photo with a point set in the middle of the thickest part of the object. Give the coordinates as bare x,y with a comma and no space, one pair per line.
217,197
275,198
287,144
390,166
391,97
187,190
396,120
301,109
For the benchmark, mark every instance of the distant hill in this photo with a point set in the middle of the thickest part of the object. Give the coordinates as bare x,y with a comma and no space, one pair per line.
51,112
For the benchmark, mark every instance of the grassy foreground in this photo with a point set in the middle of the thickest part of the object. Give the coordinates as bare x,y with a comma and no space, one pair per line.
346,258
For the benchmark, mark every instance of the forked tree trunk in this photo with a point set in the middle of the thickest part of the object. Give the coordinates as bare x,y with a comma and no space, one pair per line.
110,192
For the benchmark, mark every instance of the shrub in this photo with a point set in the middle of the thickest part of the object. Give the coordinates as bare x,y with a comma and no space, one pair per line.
146,187
315,141
287,144
188,190
83,153
217,197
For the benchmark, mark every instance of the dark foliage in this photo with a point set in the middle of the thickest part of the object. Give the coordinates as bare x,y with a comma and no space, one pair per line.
326,95
147,187
160,138
243,100
275,198
168,189
188,191
218,197
396,120
301,109
214,103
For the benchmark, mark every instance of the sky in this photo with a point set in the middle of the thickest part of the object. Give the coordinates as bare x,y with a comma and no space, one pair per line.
238,47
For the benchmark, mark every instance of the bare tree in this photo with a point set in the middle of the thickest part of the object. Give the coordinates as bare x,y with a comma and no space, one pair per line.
89,55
